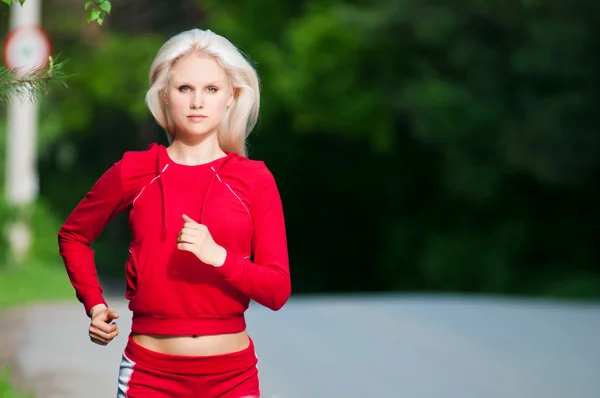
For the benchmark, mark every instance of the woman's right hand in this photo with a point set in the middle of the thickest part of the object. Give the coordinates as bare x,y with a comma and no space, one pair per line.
102,329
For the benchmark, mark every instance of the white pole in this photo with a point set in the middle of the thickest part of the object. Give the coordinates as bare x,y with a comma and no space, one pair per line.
21,162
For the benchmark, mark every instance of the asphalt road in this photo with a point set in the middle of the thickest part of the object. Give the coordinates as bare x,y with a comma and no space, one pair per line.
355,347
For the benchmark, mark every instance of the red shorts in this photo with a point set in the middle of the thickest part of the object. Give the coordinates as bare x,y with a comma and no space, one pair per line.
149,374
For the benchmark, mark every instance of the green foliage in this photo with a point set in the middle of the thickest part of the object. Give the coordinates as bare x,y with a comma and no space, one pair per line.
112,76
44,225
97,9
487,110
116,73
9,2
6,389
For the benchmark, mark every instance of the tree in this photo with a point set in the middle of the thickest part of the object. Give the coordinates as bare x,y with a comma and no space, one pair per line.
482,121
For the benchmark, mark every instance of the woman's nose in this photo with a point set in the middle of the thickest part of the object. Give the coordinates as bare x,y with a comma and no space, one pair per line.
197,101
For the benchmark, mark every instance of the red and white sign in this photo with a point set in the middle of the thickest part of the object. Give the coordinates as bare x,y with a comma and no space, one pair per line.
26,48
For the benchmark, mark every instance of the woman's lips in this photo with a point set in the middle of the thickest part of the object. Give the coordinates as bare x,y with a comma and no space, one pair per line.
197,117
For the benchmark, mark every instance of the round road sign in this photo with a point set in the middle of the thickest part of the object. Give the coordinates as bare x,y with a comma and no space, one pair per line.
26,48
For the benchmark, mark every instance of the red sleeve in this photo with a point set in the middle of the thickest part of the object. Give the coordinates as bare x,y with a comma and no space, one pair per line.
85,223
267,279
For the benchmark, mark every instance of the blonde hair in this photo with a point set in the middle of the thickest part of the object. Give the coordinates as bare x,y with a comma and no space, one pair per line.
241,117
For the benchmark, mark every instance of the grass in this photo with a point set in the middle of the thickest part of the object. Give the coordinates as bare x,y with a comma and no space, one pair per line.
25,285
6,389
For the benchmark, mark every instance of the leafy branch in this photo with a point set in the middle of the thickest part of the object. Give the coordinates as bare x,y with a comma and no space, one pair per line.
97,10
33,83
9,2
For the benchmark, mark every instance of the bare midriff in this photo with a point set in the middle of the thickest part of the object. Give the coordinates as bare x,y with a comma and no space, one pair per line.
198,345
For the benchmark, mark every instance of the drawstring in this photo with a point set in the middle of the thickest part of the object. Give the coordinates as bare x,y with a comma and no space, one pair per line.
164,203
214,177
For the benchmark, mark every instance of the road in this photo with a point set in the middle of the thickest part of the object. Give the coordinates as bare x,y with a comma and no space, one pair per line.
355,346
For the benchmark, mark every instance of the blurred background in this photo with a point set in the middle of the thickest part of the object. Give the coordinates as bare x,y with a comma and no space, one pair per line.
418,145
428,147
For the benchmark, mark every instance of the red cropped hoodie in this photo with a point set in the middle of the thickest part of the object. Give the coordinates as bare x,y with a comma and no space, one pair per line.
172,291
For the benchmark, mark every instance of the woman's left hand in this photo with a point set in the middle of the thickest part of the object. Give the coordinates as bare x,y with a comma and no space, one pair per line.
196,239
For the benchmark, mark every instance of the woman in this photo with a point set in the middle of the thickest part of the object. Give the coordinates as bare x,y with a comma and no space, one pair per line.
207,230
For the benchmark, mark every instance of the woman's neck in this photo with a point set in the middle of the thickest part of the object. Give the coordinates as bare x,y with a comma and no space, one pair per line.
193,154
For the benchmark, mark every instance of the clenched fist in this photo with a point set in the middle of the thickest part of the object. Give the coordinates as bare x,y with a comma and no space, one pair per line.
102,329
196,239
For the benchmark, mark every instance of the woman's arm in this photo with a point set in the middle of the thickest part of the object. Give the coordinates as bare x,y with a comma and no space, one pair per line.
266,280
85,223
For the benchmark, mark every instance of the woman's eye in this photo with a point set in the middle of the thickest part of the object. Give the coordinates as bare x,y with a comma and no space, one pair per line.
212,89
184,88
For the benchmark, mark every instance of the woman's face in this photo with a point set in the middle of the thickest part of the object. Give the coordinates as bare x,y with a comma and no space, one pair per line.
197,96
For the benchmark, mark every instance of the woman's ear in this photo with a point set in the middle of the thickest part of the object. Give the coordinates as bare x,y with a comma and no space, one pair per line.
232,95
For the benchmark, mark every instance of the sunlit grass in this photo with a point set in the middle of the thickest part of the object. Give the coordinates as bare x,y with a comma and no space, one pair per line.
26,284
